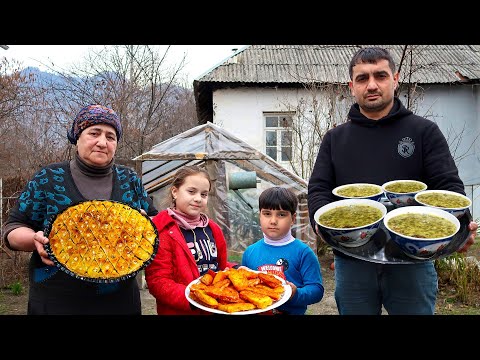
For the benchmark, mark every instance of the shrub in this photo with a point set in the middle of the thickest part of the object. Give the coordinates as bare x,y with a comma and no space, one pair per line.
462,273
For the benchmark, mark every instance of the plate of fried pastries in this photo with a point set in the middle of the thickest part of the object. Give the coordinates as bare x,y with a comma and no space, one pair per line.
238,291
101,241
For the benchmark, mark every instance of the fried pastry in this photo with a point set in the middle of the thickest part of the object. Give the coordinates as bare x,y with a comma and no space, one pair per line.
270,280
221,284
227,294
220,276
101,240
236,307
265,290
224,294
207,278
279,289
206,299
238,279
248,273
198,286
254,281
259,300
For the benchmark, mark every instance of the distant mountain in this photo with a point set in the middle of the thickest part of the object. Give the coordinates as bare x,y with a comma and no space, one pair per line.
46,78
42,77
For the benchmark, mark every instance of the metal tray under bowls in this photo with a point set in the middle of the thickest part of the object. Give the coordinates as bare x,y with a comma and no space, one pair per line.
382,249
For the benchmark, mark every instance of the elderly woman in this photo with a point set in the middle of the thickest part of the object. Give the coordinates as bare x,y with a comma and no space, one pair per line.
92,174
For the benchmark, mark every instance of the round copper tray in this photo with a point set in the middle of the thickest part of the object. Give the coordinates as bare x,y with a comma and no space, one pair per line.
382,249
101,241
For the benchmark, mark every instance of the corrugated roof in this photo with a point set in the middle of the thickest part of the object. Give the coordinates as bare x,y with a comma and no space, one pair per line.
329,63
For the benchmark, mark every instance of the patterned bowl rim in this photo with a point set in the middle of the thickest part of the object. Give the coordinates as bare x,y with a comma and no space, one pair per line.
335,191
404,180
423,210
444,192
345,202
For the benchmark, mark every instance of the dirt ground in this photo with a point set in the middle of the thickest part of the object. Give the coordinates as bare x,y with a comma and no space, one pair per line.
326,306
11,304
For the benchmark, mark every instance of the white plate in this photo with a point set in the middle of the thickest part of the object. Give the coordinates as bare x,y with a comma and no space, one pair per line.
285,296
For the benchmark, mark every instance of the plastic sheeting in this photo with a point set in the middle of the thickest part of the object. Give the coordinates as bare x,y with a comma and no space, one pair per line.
222,154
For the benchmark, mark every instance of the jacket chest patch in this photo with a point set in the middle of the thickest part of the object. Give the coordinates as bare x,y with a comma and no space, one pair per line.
406,147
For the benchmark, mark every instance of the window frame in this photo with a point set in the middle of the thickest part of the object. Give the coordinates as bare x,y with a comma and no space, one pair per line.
279,131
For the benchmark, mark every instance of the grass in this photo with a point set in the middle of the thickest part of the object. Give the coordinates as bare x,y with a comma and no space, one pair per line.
16,288
459,283
10,297
235,257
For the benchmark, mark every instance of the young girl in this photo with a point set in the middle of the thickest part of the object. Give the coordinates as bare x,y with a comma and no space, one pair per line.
189,243
283,255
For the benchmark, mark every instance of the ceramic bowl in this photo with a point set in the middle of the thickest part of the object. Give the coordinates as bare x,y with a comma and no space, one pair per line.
359,191
352,236
439,202
400,198
416,247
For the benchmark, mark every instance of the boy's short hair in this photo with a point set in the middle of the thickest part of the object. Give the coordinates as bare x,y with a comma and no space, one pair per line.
278,198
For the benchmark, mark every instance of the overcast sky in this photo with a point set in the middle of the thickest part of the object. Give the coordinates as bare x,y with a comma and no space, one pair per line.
199,58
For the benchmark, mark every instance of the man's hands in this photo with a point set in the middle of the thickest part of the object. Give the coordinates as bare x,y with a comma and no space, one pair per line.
473,226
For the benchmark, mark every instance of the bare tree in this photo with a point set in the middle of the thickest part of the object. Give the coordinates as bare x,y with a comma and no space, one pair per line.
413,96
139,84
36,111
24,129
317,108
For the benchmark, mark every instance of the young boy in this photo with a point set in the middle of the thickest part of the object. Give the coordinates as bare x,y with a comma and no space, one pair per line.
281,254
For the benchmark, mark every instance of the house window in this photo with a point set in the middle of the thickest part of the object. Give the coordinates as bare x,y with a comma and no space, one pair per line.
278,136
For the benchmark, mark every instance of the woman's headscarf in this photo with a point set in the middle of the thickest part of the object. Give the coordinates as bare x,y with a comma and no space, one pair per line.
91,115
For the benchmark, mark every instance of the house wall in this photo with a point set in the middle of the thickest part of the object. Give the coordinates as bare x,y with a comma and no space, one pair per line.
240,111
455,109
